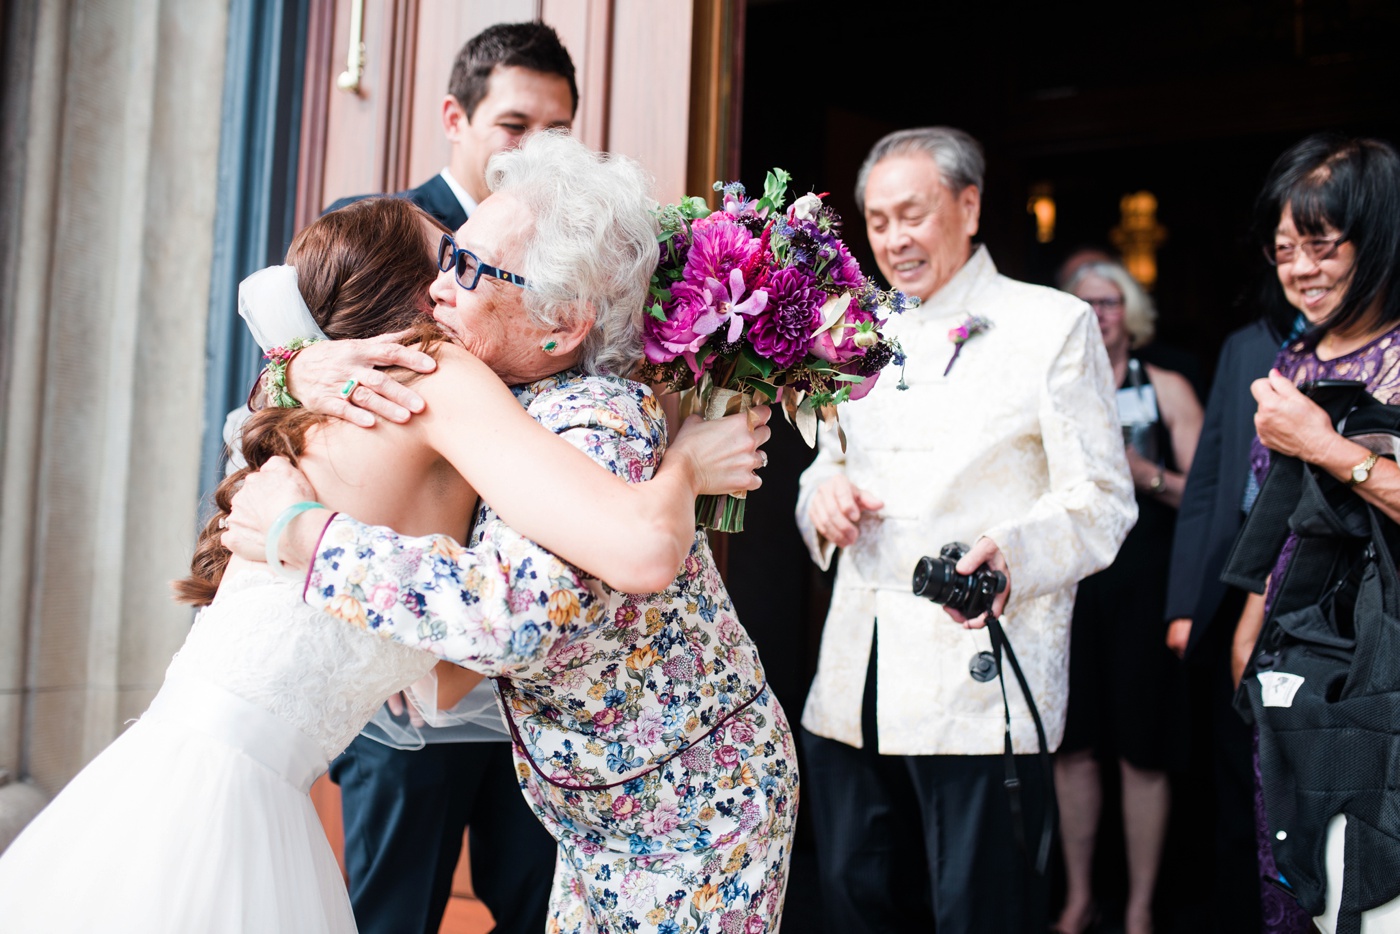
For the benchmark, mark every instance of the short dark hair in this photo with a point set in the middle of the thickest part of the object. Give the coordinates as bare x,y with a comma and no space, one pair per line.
521,45
1352,185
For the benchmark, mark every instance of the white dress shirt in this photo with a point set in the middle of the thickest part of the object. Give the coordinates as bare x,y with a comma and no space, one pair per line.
467,202
1019,442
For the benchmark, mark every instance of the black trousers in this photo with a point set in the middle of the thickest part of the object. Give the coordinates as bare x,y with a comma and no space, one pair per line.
922,843
405,812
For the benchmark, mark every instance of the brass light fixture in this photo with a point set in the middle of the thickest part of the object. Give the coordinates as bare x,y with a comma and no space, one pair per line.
1138,236
1041,206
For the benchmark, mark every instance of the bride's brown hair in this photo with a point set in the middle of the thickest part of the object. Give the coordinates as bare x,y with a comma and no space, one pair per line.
363,270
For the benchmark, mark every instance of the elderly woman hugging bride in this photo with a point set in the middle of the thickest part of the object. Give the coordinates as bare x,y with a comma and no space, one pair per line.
645,737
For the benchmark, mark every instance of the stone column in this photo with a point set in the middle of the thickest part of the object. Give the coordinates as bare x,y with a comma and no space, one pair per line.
111,132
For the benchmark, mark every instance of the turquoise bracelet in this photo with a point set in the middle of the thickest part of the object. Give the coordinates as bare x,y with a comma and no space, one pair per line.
275,533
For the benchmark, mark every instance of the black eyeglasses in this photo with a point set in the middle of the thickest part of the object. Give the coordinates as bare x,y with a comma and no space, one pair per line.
469,267
1318,249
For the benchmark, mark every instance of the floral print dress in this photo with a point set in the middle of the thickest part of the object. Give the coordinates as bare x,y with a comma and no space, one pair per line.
645,737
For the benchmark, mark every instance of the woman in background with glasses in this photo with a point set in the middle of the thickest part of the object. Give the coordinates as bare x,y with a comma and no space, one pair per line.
1125,687
1330,216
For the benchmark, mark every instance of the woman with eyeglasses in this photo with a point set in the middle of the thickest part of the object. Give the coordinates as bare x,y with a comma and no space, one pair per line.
1125,690
1329,214
197,818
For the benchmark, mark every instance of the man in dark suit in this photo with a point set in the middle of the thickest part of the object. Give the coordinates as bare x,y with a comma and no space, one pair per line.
1203,610
508,80
405,810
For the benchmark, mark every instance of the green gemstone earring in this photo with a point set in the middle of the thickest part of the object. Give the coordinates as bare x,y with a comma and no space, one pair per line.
549,346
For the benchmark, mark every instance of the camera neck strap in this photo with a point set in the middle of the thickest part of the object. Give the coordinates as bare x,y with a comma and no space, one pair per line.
1012,782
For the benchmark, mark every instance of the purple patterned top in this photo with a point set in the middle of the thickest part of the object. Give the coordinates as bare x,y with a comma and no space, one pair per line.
1377,364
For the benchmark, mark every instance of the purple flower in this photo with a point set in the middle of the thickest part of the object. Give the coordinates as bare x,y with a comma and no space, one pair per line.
844,270
783,333
712,292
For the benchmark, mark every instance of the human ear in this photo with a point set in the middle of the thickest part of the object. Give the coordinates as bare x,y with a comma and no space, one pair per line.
568,338
970,203
454,118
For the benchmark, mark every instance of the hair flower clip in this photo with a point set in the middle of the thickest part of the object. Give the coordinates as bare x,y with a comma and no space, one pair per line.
972,326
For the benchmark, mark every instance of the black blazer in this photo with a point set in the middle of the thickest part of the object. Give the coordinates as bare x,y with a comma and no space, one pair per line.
1211,514
434,196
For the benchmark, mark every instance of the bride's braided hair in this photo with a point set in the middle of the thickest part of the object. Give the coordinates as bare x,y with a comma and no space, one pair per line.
364,270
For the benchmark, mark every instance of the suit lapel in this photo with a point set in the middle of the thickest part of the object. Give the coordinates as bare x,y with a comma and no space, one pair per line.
435,196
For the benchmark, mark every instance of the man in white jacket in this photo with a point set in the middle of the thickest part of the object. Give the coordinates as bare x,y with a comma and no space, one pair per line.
1010,443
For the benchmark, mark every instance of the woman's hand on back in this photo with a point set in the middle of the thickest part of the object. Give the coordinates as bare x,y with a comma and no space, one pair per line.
319,374
264,495
723,454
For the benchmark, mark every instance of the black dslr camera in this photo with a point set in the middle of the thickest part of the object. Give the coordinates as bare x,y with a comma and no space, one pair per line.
969,594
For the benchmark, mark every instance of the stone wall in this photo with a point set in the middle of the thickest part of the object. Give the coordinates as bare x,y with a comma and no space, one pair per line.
110,136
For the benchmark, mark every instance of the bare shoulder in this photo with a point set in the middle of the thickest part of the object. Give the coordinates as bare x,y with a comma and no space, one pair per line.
456,362
460,378
1173,390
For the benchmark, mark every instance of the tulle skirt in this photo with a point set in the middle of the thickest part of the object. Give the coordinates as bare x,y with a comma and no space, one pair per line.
196,819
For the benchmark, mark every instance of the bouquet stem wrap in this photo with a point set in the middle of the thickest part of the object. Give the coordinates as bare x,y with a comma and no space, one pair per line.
725,512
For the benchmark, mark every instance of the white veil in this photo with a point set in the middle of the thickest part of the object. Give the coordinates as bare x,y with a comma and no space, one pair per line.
476,718
270,303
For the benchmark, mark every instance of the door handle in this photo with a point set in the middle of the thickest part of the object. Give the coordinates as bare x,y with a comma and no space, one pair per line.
349,79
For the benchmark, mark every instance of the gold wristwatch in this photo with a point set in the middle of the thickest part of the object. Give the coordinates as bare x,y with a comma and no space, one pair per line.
1362,471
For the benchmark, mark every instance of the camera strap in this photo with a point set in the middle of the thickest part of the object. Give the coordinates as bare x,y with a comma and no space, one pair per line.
1012,782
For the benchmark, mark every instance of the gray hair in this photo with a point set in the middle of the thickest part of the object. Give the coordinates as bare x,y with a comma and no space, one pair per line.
1139,313
958,156
592,244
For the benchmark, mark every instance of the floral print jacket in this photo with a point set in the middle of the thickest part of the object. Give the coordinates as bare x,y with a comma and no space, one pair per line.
600,687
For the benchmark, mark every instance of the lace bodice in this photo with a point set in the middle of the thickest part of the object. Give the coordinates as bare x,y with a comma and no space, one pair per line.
260,641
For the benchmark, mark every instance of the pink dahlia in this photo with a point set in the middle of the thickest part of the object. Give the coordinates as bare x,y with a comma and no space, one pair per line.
717,247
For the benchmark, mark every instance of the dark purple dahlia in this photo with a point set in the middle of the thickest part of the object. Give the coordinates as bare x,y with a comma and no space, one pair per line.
783,331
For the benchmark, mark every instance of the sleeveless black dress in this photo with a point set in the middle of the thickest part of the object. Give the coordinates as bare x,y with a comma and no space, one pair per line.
1127,694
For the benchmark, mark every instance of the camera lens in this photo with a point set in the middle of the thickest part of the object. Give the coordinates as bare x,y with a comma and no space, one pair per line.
933,578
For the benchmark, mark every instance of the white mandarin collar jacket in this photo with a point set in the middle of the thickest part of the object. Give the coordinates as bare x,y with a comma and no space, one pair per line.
1019,442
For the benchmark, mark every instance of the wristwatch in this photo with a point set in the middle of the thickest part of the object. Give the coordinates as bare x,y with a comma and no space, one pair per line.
1362,471
1158,484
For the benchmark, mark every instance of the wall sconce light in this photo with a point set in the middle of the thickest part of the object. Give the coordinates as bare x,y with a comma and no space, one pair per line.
1138,235
1042,207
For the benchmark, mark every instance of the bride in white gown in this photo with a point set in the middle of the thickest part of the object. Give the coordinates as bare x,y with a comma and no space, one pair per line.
197,819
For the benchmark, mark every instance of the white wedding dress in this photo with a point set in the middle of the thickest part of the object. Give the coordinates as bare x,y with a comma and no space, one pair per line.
196,820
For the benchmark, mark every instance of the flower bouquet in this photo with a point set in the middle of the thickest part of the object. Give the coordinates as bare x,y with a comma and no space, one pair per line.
755,300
